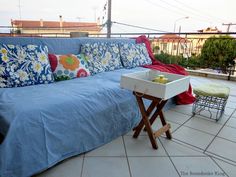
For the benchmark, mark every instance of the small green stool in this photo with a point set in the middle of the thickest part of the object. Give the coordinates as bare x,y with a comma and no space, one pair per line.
210,97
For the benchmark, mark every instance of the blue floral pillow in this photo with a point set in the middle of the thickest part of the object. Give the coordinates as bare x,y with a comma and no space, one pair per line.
102,56
24,65
133,55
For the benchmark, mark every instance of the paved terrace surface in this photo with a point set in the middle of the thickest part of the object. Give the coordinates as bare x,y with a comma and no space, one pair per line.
200,147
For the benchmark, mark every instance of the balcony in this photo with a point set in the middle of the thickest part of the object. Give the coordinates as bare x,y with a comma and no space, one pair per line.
185,46
200,147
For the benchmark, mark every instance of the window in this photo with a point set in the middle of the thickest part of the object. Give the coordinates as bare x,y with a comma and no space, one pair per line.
164,46
174,47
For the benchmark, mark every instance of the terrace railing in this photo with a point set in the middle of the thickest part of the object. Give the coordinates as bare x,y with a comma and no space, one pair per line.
181,45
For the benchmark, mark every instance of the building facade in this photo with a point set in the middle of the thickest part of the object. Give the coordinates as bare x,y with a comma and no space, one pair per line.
188,45
171,44
197,40
52,28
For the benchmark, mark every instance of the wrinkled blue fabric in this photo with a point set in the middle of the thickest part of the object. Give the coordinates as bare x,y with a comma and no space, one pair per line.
44,124
61,45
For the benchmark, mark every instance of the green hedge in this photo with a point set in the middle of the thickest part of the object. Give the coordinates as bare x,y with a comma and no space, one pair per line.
219,52
193,62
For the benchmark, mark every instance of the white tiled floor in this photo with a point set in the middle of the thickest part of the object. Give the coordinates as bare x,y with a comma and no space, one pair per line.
200,147
152,166
223,148
105,167
196,166
114,148
229,169
142,147
203,125
194,137
228,133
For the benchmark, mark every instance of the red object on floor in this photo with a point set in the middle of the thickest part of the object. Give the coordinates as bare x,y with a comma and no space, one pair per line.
183,98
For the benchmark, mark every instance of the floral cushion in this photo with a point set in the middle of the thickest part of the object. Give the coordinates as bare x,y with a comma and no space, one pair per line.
24,65
102,56
133,55
65,67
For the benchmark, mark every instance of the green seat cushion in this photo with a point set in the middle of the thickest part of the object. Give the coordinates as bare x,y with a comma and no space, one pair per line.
215,90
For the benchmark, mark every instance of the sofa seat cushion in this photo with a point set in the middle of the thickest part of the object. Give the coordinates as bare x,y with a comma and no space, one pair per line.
53,122
24,65
133,55
102,56
65,67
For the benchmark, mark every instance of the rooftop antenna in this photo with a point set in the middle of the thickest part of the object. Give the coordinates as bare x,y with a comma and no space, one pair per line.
109,19
228,25
19,5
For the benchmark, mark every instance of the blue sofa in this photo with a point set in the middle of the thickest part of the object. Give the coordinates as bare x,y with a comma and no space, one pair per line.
45,124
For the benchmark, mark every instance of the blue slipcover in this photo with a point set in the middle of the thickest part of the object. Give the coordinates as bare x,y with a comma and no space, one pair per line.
61,45
44,124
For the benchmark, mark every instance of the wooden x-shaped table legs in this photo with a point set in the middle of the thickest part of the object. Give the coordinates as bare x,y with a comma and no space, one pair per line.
146,123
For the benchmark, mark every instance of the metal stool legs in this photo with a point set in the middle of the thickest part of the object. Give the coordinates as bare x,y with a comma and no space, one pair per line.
209,103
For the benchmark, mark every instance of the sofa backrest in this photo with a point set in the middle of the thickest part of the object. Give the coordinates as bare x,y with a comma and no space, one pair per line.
61,45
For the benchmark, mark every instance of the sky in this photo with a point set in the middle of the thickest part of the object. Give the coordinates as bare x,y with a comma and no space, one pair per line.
161,15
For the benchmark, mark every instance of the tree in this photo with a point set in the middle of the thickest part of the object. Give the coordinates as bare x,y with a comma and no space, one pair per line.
219,52
156,49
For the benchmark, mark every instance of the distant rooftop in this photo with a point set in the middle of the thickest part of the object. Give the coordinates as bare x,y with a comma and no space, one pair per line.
172,38
84,26
209,30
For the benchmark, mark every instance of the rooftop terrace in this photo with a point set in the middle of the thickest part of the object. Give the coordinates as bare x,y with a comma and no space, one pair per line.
200,147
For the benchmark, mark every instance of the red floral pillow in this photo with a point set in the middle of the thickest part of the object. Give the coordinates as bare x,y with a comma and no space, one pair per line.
65,67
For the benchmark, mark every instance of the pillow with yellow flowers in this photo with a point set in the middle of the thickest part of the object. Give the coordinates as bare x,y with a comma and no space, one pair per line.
24,65
65,67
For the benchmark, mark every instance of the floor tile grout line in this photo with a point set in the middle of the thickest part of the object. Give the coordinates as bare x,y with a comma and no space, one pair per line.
219,131
220,157
127,156
152,127
187,145
230,126
222,125
182,124
203,150
147,156
195,129
127,159
199,130
188,155
105,156
219,166
233,117
227,115
180,112
82,168
154,156
232,141
169,158
206,118
169,121
233,113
